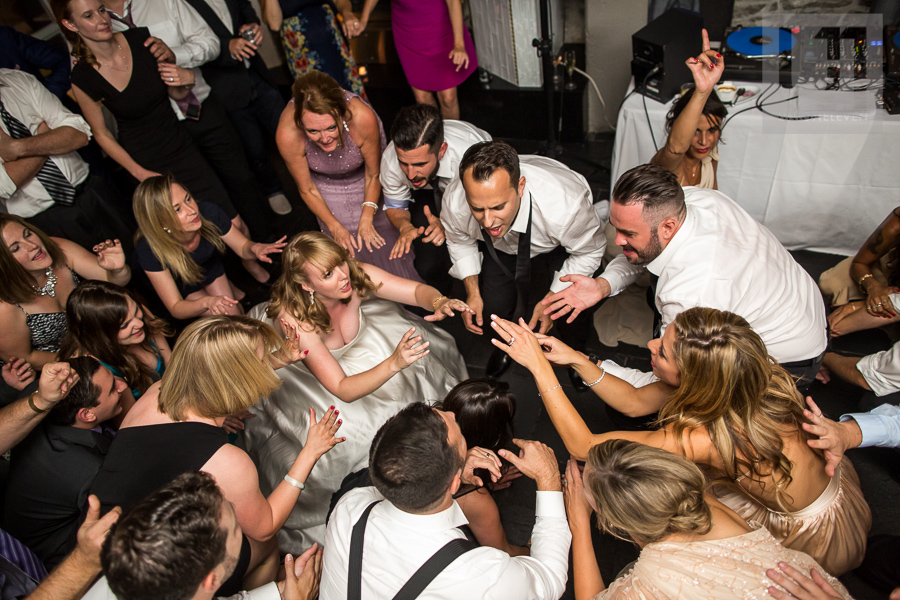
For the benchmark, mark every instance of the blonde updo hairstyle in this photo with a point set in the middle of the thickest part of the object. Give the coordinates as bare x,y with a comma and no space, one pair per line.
319,93
215,370
645,494
317,249
157,221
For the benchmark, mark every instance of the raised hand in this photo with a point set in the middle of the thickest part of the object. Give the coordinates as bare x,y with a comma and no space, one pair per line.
444,308
581,295
707,67
480,458
94,530
557,352
262,251
408,351
404,243
18,373
110,255
367,235
434,234
302,575
537,461
159,50
219,305
57,379
519,342
578,510
473,319
834,439
321,437
291,352
539,316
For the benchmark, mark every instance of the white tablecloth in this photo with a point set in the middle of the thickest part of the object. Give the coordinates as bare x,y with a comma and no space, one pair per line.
820,184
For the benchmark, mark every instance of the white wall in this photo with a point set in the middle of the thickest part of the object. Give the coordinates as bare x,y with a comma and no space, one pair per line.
608,27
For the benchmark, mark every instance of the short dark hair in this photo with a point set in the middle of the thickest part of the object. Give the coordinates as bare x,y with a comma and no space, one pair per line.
165,546
416,126
712,109
411,462
484,158
655,187
484,409
84,394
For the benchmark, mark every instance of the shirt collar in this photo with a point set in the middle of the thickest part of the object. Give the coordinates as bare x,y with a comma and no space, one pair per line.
658,265
66,434
520,225
446,519
126,10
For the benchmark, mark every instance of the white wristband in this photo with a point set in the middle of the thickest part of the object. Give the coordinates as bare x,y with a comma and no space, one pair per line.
297,484
372,204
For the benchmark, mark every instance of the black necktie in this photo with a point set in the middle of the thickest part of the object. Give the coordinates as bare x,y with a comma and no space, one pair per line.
438,197
53,180
651,300
523,264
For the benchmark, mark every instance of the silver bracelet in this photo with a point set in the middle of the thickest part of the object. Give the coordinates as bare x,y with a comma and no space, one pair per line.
297,484
372,204
549,390
602,375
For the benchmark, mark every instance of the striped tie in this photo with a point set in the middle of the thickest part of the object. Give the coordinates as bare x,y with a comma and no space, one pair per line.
56,184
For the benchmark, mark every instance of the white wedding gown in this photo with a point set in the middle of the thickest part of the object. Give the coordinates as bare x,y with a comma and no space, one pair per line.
277,433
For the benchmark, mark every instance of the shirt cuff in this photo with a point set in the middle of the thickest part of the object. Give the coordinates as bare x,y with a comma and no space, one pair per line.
556,285
467,266
895,300
870,368
871,426
550,504
266,592
7,185
393,203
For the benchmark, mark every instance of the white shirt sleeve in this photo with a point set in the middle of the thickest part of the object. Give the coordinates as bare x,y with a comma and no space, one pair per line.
879,427
393,182
462,246
584,240
200,44
636,378
620,273
543,575
882,370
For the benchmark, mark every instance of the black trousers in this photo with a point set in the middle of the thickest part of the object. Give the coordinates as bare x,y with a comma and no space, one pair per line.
99,213
219,143
432,262
500,294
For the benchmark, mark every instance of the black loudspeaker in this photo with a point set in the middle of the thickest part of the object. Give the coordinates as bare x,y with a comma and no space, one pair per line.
892,52
661,48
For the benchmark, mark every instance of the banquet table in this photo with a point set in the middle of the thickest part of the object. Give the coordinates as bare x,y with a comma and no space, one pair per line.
820,184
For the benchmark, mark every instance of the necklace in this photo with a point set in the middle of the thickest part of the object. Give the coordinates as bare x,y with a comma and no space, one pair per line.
49,288
119,50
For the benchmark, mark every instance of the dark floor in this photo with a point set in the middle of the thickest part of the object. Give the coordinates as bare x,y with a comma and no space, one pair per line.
878,468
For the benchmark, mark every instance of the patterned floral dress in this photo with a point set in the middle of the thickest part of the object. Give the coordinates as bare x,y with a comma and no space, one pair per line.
313,40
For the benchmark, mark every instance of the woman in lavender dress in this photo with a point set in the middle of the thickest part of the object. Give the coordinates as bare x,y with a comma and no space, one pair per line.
332,142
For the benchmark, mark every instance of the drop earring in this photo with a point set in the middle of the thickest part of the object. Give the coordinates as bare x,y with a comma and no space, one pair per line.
167,230
312,297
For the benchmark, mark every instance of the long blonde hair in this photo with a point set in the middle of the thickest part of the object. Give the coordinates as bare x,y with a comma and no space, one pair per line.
157,222
215,370
18,284
321,251
645,494
733,389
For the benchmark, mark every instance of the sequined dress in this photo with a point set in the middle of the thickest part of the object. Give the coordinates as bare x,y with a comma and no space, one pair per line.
340,176
728,569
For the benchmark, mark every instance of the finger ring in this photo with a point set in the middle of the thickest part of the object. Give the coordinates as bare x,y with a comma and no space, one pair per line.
171,79
511,340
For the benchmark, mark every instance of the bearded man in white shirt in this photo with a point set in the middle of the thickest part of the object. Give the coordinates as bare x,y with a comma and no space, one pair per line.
409,516
416,168
706,251
518,208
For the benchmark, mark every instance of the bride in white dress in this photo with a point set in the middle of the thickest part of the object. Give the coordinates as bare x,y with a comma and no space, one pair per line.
367,356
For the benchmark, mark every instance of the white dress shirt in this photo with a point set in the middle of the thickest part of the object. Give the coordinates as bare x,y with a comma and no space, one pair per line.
397,543
101,591
562,215
31,103
722,258
458,135
183,30
882,369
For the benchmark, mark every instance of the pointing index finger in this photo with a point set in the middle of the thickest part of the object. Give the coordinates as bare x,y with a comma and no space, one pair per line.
705,40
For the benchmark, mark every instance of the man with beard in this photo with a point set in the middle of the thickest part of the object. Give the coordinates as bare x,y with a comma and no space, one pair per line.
702,249
416,167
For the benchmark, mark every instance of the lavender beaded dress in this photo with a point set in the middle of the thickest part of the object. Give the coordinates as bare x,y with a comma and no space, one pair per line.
340,176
